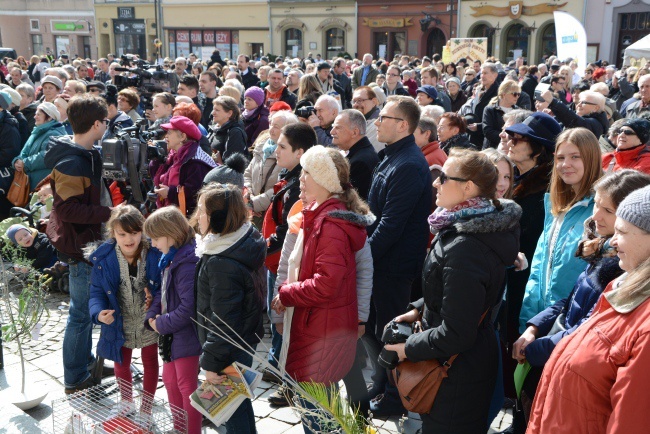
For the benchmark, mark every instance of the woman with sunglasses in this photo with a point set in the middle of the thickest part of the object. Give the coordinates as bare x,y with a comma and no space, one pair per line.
590,111
460,290
504,102
632,148
569,203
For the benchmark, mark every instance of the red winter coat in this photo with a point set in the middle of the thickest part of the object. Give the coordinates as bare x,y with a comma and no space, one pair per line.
636,158
597,379
324,326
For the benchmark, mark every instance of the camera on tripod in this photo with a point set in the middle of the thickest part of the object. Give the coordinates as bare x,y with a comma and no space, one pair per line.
394,333
147,79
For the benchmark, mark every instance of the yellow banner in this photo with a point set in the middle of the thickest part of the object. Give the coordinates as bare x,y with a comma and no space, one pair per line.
387,22
469,48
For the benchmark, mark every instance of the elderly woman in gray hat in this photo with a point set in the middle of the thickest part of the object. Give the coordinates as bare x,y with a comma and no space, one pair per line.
32,157
457,97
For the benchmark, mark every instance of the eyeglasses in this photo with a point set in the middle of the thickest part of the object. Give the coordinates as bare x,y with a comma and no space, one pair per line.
107,122
394,75
444,178
516,140
589,71
627,132
517,94
381,118
360,100
586,102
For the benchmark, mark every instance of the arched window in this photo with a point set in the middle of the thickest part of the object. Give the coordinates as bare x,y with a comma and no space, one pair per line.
483,31
435,41
334,42
549,43
293,42
516,39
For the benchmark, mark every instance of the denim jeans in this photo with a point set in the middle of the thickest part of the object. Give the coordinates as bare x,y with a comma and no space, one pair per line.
276,338
77,340
243,419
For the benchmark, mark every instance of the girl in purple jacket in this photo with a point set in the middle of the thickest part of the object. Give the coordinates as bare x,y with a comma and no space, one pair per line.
173,308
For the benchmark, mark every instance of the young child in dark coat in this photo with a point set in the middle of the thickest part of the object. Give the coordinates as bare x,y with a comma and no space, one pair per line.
37,246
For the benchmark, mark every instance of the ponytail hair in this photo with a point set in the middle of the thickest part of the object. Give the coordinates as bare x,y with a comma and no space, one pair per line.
350,197
478,168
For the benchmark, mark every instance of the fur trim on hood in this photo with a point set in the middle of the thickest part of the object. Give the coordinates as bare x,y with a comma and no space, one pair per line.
497,221
353,217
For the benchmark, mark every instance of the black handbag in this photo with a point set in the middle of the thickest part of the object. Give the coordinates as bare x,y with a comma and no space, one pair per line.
165,347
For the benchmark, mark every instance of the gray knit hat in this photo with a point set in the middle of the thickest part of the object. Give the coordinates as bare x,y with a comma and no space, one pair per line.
231,172
635,208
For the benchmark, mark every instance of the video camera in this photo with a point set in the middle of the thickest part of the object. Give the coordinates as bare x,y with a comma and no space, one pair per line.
127,154
147,79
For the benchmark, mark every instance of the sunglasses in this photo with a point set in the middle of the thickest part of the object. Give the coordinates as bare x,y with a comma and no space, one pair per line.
516,140
517,94
444,178
627,132
587,103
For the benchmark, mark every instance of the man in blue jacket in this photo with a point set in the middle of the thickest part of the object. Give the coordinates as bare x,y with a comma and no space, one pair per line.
400,197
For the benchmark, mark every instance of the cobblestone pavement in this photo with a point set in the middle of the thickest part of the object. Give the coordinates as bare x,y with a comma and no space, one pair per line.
44,373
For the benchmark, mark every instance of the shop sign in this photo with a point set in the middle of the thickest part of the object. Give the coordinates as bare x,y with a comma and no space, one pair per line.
68,27
126,13
208,38
136,27
387,22
195,37
515,9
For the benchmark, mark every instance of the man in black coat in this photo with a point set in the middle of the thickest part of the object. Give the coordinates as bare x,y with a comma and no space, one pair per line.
338,71
349,135
248,77
488,89
400,197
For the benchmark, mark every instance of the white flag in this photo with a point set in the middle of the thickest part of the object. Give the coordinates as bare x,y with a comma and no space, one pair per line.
571,39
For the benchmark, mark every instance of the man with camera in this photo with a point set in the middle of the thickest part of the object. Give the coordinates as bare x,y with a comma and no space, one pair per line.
325,111
81,205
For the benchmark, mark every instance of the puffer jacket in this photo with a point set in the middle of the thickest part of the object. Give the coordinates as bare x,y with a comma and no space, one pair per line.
33,153
576,308
597,123
260,176
104,286
458,288
77,213
228,139
229,289
637,158
547,284
181,305
324,325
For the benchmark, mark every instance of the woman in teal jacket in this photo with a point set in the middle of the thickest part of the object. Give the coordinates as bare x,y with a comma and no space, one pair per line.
555,268
32,158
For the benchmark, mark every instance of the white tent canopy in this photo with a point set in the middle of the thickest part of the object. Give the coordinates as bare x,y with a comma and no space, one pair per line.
638,53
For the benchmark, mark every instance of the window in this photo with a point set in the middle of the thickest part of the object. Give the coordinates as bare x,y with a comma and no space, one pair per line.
549,43
334,42
34,25
516,39
483,31
293,43
37,45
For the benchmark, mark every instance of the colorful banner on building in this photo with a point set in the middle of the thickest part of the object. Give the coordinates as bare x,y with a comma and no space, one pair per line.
469,48
571,39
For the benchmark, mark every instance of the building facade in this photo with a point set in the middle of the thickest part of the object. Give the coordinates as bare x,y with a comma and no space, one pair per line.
523,28
127,27
38,27
327,28
417,28
617,25
201,26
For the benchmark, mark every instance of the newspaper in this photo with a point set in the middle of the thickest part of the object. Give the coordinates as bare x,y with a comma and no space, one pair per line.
218,402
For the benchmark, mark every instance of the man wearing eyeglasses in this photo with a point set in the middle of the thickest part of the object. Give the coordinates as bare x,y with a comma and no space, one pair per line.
400,197
393,84
590,112
635,109
364,99
81,205
557,86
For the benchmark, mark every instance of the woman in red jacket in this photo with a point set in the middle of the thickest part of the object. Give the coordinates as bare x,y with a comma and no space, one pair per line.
596,380
324,328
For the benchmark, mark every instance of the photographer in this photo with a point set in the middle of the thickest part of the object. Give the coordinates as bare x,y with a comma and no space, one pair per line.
460,288
116,117
180,178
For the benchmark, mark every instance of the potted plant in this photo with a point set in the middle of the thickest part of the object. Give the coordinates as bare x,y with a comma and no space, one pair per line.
23,296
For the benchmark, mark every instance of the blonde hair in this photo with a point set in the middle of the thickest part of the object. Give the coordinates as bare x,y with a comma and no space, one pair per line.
230,91
350,197
169,222
508,86
309,84
636,283
563,196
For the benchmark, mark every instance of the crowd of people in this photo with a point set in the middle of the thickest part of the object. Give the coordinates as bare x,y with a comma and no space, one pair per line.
507,221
